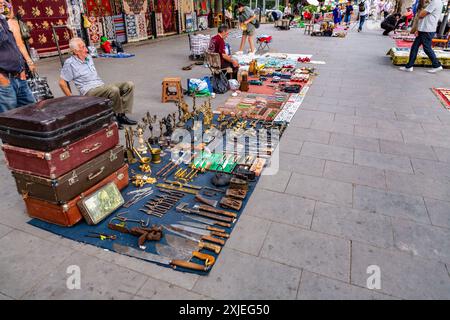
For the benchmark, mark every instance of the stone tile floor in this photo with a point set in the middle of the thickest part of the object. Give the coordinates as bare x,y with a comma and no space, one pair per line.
363,182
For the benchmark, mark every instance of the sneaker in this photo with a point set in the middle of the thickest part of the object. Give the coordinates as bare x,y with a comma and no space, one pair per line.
435,70
406,69
239,52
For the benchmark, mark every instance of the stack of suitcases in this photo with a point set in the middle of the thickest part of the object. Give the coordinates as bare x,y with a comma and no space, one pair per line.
60,151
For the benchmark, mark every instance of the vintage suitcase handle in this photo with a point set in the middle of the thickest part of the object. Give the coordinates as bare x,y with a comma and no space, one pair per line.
93,148
92,176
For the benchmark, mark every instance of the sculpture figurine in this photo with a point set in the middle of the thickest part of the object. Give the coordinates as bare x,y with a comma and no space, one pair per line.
140,135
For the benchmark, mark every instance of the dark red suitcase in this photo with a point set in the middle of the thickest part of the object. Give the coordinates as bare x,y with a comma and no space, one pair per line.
73,183
54,164
55,123
68,214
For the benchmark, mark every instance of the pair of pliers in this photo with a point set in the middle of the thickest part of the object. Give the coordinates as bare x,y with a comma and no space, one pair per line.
101,236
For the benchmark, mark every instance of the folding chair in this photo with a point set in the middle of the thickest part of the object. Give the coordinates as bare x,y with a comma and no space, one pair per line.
263,42
213,62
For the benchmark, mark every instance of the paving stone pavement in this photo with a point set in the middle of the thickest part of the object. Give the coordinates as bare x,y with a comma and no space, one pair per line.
363,182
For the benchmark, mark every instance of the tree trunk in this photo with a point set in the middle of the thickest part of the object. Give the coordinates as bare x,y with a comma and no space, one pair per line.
444,21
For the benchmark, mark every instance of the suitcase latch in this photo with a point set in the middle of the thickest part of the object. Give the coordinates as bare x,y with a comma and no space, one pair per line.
109,133
65,155
47,156
112,156
73,179
120,176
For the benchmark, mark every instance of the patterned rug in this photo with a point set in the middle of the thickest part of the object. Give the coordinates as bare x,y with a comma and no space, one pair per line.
95,31
131,27
119,26
109,28
443,95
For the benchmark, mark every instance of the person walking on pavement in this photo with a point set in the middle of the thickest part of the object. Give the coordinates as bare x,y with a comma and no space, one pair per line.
348,13
428,20
363,7
247,19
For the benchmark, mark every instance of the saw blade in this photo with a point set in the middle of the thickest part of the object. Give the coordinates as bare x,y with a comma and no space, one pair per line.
140,254
191,230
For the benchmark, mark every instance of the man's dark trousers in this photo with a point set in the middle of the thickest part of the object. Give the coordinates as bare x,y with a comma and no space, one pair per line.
424,39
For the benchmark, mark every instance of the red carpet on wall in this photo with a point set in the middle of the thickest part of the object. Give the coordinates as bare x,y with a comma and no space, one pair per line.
40,16
167,9
98,8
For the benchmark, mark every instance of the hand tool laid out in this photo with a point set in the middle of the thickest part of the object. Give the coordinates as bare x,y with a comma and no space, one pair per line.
209,202
202,226
138,196
207,208
203,237
121,218
183,207
194,236
231,203
200,231
183,254
157,258
210,222
175,188
161,204
189,243
145,234
101,236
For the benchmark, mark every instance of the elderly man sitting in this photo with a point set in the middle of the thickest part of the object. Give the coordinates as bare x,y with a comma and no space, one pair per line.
80,69
217,45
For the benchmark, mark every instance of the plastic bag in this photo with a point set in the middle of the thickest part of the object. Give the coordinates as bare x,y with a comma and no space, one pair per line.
220,83
234,84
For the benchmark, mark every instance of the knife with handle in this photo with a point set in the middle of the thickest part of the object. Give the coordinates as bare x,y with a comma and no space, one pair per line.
204,207
199,239
190,244
204,235
202,226
201,232
158,259
183,254
210,222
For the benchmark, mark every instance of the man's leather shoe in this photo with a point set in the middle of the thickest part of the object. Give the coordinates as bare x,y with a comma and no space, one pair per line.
123,119
120,126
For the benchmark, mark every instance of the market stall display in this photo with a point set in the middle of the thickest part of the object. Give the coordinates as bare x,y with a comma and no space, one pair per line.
187,178
400,56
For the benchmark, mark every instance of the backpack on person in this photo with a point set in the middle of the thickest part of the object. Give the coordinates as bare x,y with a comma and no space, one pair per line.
362,6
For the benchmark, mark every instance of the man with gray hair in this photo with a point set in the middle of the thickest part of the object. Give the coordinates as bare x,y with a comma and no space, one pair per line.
80,69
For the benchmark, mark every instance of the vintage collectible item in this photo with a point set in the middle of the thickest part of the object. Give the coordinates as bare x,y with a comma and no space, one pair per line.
184,241
183,231
183,254
101,203
68,213
55,163
158,258
56,123
73,183
154,233
200,231
230,203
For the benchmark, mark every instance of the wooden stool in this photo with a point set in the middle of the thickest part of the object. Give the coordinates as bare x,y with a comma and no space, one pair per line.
171,83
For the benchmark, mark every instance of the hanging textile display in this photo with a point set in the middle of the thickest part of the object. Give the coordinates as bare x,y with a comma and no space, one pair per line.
95,31
98,8
159,24
74,10
134,6
167,9
116,7
40,16
131,27
187,7
120,29
110,30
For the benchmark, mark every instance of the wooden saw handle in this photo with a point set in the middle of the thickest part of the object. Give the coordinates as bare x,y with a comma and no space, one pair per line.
220,234
209,246
188,265
215,229
213,240
209,260
222,224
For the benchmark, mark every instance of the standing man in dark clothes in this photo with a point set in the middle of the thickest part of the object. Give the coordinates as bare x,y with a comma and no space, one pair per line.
348,13
390,23
14,90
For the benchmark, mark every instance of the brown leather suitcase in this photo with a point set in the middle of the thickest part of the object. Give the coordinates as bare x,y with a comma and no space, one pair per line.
68,214
55,123
54,164
73,183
